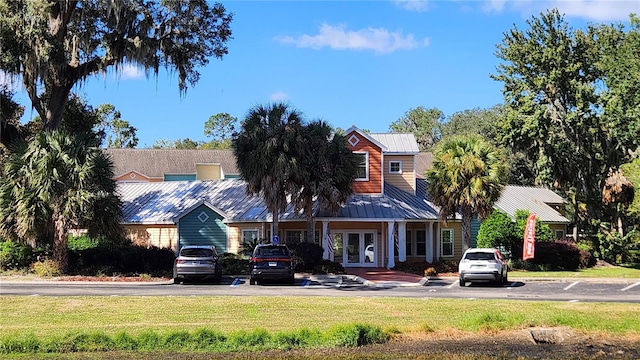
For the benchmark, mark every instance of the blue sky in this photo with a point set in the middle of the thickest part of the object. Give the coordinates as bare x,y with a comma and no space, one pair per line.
362,63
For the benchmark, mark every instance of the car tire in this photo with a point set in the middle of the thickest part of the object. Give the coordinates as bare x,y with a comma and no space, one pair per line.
505,280
292,280
177,281
462,282
252,281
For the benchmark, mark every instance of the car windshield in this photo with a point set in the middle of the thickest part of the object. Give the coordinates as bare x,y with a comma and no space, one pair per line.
480,256
190,252
273,251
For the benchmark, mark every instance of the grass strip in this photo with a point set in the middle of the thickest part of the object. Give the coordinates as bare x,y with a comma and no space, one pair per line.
200,340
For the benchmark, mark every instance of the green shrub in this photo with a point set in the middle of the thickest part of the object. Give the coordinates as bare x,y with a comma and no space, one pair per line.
129,259
46,268
497,231
356,335
15,256
82,242
233,264
148,340
307,256
124,341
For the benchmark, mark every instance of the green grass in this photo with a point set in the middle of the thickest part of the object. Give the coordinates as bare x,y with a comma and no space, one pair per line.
51,316
600,272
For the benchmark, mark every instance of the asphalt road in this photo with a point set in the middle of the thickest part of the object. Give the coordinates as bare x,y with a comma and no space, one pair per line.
598,290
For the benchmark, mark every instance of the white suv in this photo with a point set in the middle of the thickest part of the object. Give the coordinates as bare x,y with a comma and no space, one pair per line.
482,265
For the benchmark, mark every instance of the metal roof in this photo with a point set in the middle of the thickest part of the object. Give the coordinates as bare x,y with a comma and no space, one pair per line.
397,143
535,199
165,202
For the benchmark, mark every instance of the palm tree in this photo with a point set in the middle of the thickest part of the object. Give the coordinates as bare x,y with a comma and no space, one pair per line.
468,175
266,149
53,183
328,167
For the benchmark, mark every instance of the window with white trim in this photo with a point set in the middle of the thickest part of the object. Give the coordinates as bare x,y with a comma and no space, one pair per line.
446,242
559,234
395,167
363,165
249,234
410,246
298,236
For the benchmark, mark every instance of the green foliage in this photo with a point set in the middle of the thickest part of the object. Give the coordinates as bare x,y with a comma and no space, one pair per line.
467,177
249,245
356,335
233,264
129,259
307,256
14,256
39,37
46,268
632,172
614,247
543,231
201,339
474,121
423,123
498,231
82,242
571,105
220,126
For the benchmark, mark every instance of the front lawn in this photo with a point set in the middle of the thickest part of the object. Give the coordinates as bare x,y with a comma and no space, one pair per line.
597,272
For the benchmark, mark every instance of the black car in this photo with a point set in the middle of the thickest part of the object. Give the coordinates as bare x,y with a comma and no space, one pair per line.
272,262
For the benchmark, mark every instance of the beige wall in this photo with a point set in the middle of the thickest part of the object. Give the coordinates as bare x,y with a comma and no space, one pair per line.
406,180
555,227
163,236
208,172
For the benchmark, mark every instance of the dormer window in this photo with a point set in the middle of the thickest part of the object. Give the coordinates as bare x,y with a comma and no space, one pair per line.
395,167
363,165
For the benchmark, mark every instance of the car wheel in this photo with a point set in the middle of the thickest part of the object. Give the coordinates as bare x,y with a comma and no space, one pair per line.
462,282
292,280
252,281
177,280
504,279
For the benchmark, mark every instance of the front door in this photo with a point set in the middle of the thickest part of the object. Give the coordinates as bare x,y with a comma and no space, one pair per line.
359,249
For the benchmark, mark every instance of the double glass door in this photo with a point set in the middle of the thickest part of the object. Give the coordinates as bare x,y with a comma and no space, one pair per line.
355,249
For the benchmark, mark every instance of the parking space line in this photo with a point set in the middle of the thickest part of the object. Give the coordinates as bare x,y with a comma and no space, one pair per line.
572,285
235,282
452,285
631,286
305,283
574,301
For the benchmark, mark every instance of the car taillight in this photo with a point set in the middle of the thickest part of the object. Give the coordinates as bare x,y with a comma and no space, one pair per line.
256,259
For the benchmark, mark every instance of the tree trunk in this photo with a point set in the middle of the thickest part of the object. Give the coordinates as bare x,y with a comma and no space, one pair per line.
55,105
467,216
309,215
60,240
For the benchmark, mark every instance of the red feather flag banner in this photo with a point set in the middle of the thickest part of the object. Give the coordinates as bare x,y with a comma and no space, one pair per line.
529,246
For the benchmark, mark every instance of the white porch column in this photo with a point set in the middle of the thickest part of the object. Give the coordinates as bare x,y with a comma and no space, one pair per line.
430,242
437,239
325,240
402,241
390,245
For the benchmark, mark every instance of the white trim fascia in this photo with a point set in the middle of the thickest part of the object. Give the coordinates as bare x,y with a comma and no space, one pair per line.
365,135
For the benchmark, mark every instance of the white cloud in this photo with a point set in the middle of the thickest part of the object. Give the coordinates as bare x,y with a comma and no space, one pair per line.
595,10
599,10
278,96
130,71
338,37
413,5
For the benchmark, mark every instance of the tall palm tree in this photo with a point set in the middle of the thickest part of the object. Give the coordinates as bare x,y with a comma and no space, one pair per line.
327,170
53,183
468,175
266,149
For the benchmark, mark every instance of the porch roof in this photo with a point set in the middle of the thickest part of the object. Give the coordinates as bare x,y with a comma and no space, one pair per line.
165,202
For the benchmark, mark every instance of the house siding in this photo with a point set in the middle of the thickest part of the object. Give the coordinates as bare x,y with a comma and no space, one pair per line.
162,236
212,231
555,227
208,172
406,180
374,184
133,176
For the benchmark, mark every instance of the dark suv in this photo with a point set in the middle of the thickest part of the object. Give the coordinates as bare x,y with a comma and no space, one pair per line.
272,262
